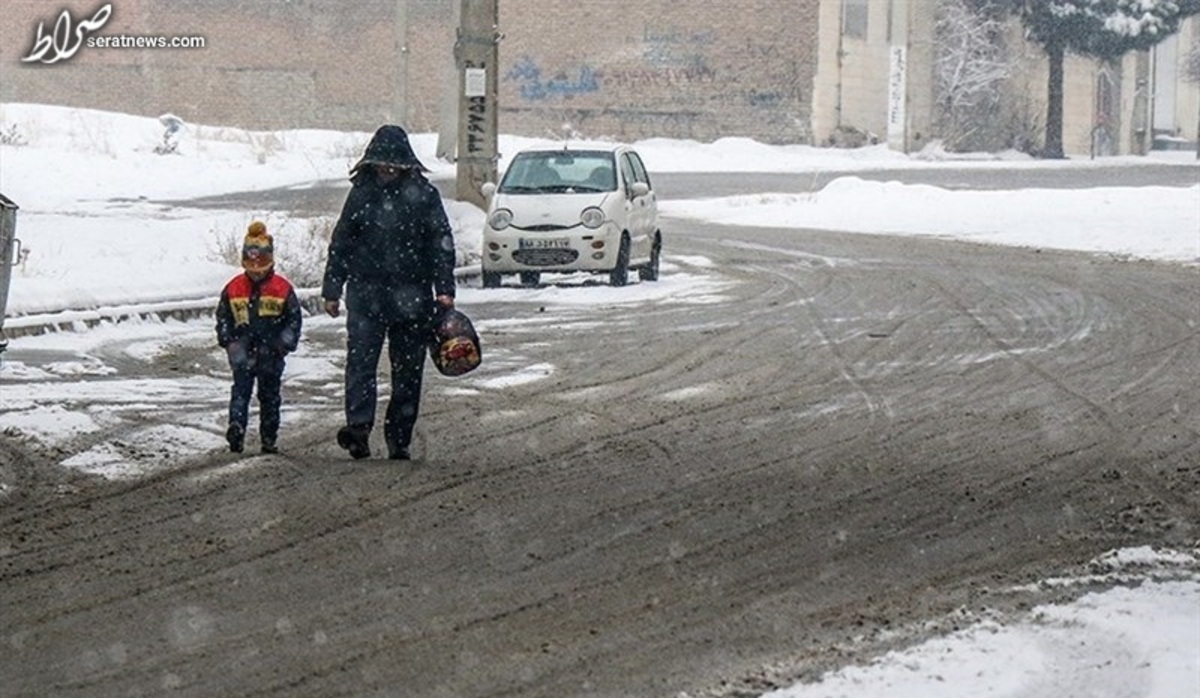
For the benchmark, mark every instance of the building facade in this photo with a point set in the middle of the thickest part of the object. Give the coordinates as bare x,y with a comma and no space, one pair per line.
609,69
875,76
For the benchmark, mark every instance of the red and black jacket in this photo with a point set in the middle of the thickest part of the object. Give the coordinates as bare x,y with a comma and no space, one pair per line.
262,313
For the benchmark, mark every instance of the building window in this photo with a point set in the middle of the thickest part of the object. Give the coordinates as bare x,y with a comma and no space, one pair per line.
854,18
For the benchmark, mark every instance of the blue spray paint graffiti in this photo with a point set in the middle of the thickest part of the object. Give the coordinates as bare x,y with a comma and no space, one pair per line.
528,74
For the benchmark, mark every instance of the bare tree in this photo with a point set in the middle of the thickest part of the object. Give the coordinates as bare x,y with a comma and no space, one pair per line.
973,70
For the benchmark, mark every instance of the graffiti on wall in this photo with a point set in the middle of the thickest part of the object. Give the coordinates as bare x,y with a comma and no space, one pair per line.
669,58
691,83
536,88
533,86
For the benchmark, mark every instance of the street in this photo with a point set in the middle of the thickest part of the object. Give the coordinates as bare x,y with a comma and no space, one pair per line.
326,198
854,434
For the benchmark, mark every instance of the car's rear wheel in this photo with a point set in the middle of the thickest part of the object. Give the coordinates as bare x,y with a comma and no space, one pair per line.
530,278
619,276
650,271
491,279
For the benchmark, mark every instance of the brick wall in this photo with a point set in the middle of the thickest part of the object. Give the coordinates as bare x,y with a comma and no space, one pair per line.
615,68
628,70
266,64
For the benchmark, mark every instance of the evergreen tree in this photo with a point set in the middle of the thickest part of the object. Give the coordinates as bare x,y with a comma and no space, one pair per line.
1103,29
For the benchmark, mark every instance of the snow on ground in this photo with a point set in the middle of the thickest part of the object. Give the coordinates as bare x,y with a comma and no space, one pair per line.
1140,638
1127,641
95,236
1146,222
86,182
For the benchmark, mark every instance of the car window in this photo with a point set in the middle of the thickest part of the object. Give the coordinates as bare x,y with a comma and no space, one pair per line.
639,170
559,172
627,172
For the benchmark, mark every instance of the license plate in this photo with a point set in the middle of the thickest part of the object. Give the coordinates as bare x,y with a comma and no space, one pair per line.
543,243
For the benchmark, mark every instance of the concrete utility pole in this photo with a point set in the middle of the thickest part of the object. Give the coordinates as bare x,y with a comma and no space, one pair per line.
476,53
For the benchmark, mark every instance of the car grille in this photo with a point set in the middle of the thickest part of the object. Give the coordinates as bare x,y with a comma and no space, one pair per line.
544,227
545,258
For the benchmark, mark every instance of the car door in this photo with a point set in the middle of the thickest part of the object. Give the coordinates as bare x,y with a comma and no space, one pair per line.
651,218
639,207
631,222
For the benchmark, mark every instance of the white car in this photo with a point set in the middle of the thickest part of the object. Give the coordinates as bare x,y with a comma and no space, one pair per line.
566,210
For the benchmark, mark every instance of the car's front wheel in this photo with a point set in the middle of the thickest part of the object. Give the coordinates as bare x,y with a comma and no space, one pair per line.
619,276
491,279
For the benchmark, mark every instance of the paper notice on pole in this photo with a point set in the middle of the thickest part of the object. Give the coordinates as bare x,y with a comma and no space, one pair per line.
475,84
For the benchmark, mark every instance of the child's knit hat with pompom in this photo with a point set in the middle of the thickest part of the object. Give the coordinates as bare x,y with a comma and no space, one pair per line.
258,249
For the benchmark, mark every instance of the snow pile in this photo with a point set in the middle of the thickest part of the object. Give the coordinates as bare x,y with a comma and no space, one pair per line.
1139,640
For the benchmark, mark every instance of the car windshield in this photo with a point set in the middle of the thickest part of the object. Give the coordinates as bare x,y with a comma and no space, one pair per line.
561,171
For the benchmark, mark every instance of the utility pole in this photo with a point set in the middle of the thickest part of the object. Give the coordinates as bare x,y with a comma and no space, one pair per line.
476,53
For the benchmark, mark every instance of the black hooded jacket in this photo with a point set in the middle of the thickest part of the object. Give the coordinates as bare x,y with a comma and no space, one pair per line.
389,146
392,243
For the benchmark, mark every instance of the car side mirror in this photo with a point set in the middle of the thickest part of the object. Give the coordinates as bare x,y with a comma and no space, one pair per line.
487,189
639,189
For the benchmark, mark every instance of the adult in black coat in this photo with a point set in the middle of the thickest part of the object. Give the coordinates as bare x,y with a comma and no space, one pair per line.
393,251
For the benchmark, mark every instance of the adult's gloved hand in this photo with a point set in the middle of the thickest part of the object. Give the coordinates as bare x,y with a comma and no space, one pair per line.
236,351
333,307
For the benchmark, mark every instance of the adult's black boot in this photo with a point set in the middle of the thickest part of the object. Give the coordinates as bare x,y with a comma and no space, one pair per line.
236,436
356,440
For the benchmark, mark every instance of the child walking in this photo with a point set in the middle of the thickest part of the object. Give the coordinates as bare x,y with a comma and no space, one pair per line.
258,325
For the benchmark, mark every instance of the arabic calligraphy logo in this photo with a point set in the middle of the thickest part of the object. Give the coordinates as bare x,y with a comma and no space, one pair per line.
62,43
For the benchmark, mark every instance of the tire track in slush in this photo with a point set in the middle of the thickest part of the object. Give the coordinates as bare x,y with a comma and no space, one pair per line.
1180,504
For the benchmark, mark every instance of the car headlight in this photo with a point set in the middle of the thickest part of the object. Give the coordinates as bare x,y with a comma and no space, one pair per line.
500,219
592,217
